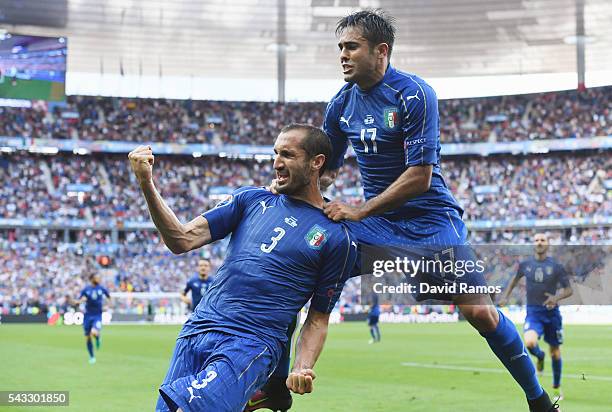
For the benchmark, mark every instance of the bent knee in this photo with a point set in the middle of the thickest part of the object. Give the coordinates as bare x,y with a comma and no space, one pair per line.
482,317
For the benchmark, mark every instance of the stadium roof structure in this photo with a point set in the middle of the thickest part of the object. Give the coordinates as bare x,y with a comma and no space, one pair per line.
218,43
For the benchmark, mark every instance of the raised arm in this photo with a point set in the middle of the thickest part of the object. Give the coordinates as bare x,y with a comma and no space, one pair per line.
309,346
178,237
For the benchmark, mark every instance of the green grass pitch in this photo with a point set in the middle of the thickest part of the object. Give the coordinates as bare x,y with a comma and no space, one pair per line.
460,372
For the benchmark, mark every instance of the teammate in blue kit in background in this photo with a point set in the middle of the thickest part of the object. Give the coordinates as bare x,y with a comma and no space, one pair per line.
93,297
373,319
547,284
283,252
197,284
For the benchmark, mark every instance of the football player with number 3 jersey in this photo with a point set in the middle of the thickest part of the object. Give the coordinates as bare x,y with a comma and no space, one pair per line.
283,252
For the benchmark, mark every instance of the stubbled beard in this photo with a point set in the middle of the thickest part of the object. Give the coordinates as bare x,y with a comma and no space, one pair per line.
300,181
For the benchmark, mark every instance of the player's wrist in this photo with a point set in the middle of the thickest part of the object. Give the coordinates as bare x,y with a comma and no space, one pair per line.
299,368
145,182
363,211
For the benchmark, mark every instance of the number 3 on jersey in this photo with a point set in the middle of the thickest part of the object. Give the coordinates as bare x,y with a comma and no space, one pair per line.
269,248
371,137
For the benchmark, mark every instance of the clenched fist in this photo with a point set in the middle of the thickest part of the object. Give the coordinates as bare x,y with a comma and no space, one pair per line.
141,160
300,381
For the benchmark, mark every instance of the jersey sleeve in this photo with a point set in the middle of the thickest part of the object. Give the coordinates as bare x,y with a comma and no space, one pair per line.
225,216
187,287
339,262
420,127
105,291
520,272
339,141
82,294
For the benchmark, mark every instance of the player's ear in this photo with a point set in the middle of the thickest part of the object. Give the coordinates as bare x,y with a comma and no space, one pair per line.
383,50
318,161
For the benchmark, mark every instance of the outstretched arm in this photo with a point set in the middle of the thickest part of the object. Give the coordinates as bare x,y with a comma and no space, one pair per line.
504,300
309,346
179,238
185,299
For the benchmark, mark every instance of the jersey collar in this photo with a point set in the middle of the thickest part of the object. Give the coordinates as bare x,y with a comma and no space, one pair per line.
388,74
292,201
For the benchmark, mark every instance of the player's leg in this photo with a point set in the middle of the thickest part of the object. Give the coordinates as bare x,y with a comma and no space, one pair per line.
553,335
274,394
96,331
186,360
557,365
235,369
447,230
89,344
532,331
503,339
87,326
375,328
505,342
371,327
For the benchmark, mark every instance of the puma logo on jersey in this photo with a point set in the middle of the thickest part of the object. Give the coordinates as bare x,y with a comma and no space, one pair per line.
264,207
190,390
416,96
342,119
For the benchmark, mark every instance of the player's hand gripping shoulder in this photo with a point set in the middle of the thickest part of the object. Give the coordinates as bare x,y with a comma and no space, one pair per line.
337,211
300,381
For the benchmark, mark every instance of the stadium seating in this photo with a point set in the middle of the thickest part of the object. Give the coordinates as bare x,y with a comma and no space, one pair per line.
568,114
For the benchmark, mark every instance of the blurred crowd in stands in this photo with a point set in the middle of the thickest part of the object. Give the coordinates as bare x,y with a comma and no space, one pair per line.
567,114
43,270
40,272
101,188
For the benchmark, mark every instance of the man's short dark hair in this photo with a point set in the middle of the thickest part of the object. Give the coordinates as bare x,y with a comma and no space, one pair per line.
315,142
376,26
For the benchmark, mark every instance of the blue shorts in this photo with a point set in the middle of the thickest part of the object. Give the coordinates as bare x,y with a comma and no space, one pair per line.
92,322
546,322
436,235
372,320
215,371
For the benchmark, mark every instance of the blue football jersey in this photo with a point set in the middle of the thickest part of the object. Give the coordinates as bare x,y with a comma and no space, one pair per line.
391,127
198,288
95,296
282,252
542,276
